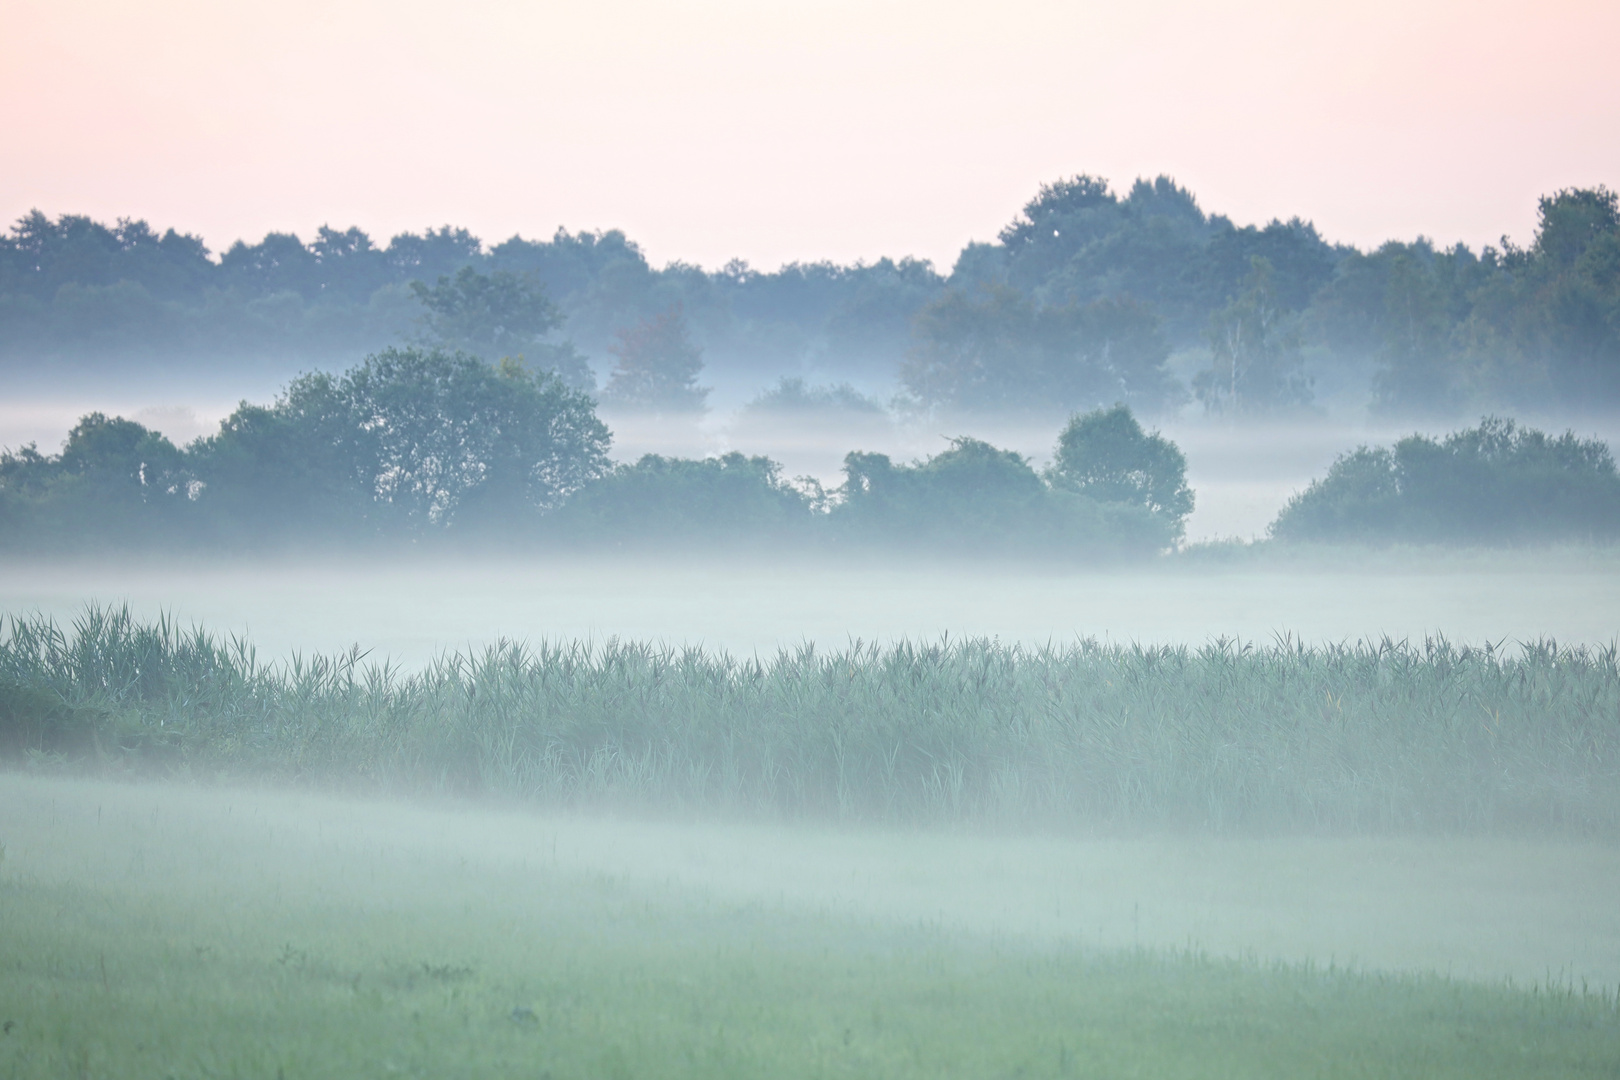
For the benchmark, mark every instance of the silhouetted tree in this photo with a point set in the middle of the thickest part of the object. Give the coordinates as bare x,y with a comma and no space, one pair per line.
1107,456
728,500
996,349
1496,483
498,315
1256,359
410,440
114,484
657,366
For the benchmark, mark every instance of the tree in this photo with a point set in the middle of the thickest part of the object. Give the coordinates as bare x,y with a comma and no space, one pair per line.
1419,368
996,350
723,500
497,315
975,351
351,266
299,470
1300,262
977,498
1493,484
1117,348
114,483
1256,363
279,263
1107,456
970,495
1572,221
1055,226
1571,293
434,254
122,458
792,397
413,440
657,366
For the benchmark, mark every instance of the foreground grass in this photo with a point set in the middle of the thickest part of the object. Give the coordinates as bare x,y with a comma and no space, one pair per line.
1372,736
157,941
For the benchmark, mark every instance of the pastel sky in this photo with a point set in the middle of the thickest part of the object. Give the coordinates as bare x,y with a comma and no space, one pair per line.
799,129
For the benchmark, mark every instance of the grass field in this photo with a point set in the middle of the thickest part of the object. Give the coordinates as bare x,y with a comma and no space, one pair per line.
174,930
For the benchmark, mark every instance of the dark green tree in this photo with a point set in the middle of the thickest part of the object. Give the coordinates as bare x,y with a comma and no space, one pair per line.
351,266
1571,289
975,351
411,441
295,472
280,263
725,501
1498,483
1419,366
1106,456
976,498
115,483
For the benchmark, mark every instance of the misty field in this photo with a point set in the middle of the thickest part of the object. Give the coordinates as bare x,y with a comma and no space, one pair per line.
186,931
954,858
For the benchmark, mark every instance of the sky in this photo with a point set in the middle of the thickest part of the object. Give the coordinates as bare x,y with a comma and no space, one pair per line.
799,129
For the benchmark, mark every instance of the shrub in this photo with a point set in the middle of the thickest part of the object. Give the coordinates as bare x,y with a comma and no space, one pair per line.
658,500
1494,484
976,498
1106,455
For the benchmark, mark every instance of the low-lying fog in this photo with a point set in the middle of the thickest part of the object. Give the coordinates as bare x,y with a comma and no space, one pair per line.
409,610
1533,911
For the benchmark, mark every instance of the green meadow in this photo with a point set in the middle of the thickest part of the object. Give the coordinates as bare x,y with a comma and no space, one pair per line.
194,931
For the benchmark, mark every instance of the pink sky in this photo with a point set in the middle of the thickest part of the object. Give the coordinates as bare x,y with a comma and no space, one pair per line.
709,129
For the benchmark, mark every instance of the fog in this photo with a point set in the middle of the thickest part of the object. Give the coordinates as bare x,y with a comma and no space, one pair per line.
1476,908
408,610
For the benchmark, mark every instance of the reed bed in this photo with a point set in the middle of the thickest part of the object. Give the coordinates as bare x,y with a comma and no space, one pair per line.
1368,736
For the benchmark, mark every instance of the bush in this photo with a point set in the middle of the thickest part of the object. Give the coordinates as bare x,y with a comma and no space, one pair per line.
793,397
977,498
657,500
1498,483
1106,455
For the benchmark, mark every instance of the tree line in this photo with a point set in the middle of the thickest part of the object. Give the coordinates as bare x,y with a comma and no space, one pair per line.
1086,298
428,447
422,447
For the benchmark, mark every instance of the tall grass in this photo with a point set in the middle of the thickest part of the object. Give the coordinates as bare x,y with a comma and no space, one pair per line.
1377,736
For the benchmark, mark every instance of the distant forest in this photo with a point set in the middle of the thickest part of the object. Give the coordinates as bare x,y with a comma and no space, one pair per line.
1087,298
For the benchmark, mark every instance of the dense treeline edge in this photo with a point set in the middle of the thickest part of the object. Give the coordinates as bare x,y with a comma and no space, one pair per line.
1080,302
